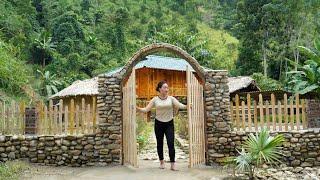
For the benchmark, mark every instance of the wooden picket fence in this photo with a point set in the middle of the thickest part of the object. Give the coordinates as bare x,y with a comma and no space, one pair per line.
67,119
12,118
286,114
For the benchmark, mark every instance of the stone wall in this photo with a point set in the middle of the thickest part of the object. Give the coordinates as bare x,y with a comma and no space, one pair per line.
301,148
313,113
85,150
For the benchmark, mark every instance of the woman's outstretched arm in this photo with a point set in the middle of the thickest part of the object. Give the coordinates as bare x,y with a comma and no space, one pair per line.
178,104
148,107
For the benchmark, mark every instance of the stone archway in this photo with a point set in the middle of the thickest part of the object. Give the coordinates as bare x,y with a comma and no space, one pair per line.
161,47
216,103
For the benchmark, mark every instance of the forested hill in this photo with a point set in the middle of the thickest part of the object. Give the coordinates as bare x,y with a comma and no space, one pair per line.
46,45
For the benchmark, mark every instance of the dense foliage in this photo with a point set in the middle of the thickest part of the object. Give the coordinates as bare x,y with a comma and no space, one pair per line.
78,39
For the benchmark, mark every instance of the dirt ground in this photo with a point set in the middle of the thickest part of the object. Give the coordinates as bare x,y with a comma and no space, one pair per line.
147,170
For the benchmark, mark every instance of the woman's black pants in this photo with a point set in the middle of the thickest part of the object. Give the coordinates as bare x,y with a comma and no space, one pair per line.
161,129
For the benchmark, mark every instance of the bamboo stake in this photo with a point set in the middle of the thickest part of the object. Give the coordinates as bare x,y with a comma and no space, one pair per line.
249,110
285,101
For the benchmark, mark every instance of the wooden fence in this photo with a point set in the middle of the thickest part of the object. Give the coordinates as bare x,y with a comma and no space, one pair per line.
67,119
12,118
53,119
286,114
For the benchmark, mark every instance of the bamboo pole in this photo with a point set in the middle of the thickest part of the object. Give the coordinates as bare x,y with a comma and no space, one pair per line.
304,123
249,110
237,112
261,111
94,105
291,114
83,120
60,116
285,101
273,105
71,120
243,115
297,112
268,115
279,115
255,114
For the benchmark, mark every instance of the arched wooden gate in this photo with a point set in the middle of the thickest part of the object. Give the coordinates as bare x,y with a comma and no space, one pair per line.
195,118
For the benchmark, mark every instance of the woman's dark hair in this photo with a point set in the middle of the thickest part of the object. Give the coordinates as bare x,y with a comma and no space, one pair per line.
160,85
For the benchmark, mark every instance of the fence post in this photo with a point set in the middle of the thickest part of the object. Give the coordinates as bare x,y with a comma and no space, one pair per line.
303,102
279,115
60,116
83,120
255,114
285,103
261,111
297,112
243,115
94,103
71,116
273,104
268,115
291,113
249,110
22,108
237,111
50,116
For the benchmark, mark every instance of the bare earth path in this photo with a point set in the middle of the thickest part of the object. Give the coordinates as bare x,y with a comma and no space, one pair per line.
148,169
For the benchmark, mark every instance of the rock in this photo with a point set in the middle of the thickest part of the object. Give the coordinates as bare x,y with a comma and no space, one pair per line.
11,155
2,138
295,163
223,140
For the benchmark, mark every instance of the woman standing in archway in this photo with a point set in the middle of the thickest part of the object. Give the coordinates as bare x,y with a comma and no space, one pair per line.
163,124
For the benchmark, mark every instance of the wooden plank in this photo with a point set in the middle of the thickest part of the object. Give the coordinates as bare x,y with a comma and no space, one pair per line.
243,115
279,115
55,118
261,111
268,115
285,103
71,120
88,117
291,114
77,129
50,117
94,105
233,120
66,120
1,118
60,116
83,120
249,111
237,112
189,112
273,105
304,123
255,115
45,128
297,111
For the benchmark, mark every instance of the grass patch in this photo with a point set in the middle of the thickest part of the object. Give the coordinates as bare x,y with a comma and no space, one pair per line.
143,132
12,169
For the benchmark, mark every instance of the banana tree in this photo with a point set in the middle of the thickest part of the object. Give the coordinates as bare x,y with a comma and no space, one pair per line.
48,83
307,78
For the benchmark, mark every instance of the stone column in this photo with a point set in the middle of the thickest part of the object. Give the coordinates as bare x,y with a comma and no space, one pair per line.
110,116
217,103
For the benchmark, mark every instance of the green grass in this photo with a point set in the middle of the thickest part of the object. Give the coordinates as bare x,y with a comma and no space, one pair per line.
181,125
143,132
12,169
